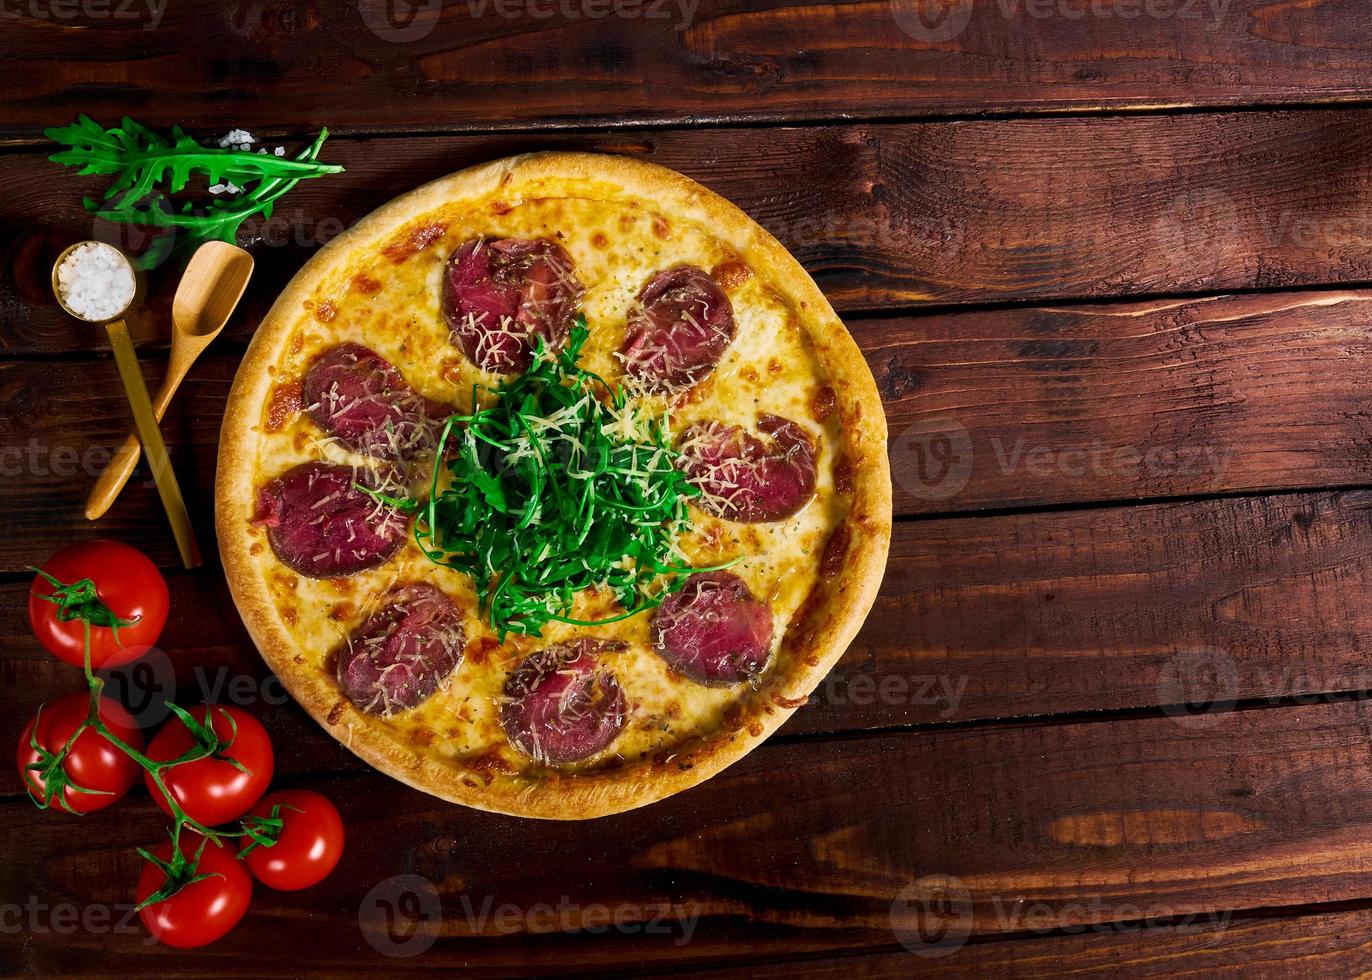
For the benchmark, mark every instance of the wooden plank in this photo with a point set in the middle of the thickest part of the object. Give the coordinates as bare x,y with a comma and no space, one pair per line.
59,427
1117,608
1047,406
517,63
1251,599
882,216
1286,947
998,409
826,844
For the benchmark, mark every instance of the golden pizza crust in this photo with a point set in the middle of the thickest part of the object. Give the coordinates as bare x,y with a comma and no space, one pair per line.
818,634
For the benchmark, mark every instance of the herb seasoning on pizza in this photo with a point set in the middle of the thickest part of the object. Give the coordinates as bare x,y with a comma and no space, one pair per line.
554,486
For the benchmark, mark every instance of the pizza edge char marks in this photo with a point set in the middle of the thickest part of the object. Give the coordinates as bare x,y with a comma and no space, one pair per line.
713,632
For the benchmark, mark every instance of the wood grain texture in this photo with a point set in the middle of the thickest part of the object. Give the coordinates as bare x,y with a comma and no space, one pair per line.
59,425
1121,607
1044,827
1044,406
1291,947
1038,406
883,216
943,780
1186,606
509,63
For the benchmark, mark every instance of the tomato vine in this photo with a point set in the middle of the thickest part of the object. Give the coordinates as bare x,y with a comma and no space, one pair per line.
80,601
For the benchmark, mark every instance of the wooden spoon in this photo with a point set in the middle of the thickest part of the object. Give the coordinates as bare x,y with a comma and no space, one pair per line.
210,289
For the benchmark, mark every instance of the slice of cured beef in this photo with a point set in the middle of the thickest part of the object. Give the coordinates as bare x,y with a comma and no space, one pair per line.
358,397
500,295
744,479
678,330
322,526
562,704
714,630
400,656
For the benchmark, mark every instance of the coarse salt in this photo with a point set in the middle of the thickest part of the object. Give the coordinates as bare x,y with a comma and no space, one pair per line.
239,139
95,282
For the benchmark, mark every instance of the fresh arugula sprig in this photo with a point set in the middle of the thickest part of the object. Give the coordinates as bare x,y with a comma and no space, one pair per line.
558,486
151,168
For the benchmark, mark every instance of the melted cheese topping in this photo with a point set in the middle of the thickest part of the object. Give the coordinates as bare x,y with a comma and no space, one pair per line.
391,302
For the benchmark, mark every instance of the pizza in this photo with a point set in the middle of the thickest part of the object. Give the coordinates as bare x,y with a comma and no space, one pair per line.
554,486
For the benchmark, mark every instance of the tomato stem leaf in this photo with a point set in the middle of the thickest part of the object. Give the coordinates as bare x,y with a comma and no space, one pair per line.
81,601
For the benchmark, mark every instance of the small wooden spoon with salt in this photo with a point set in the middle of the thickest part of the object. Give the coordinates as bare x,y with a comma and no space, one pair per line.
210,290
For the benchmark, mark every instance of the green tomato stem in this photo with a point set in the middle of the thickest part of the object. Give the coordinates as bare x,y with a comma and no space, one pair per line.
180,868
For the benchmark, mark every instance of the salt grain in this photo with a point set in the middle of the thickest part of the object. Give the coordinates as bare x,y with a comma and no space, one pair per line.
95,282
239,139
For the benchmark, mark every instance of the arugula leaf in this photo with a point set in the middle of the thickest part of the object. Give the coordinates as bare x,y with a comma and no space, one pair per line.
150,168
558,486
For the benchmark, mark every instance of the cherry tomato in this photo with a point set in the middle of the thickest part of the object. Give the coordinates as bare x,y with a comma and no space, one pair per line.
310,844
204,910
93,762
212,790
128,585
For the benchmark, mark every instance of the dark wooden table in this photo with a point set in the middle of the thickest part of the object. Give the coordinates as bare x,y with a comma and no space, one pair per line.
1109,262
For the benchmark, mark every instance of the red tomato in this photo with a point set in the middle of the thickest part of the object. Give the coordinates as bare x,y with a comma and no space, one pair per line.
126,582
310,844
93,762
211,790
204,910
